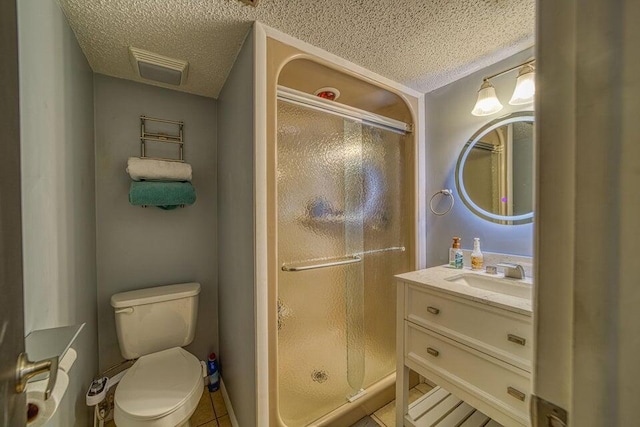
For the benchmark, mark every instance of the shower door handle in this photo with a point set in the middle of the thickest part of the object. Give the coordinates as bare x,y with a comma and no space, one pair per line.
350,260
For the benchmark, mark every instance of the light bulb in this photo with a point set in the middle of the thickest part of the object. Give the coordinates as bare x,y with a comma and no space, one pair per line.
487,102
525,86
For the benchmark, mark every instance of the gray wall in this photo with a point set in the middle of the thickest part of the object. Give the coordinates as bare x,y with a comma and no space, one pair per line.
235,236
144,247
450,124
58,191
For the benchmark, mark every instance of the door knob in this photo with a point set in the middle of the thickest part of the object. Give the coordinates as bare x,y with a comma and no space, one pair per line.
27,369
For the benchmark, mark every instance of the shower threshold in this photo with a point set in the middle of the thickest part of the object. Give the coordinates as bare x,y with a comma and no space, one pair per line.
360,393
375,396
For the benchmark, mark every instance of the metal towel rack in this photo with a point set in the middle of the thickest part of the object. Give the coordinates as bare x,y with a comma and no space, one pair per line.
350,259
161,137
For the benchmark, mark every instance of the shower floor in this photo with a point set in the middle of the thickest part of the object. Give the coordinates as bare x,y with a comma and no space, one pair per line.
314,378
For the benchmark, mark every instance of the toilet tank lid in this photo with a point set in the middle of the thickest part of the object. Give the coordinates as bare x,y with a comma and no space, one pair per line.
155,294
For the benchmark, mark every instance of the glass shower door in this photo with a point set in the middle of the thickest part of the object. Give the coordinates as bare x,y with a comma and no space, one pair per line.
335,209
386,225
320,328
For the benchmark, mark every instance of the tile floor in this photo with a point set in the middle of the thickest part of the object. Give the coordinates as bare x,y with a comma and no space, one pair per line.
386,416
211,411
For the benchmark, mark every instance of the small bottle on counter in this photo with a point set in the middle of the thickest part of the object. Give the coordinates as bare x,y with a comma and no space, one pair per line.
455,254
477,258
452,252
459,259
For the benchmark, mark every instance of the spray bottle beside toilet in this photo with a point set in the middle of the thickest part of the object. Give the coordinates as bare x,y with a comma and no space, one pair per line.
214,374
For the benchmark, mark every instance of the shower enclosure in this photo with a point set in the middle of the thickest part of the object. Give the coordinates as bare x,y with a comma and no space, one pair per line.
344,212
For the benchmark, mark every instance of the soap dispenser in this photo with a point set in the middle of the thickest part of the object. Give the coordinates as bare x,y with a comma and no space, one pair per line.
455,254
477,258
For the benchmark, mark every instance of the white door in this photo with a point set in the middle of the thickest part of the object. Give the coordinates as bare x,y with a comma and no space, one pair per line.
12,404
587,307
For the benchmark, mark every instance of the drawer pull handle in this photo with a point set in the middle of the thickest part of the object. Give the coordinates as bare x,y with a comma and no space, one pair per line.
516,339
433,352
433,310
516,393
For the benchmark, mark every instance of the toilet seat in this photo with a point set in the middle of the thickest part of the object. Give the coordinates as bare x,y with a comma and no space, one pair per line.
160,389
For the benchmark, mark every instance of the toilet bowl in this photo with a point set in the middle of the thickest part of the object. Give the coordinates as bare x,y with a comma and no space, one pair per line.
164,385
160,389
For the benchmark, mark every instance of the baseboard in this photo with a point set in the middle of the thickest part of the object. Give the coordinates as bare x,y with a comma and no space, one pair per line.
227,402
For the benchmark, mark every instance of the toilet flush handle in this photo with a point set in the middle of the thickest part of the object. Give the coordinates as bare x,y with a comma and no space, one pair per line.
127,310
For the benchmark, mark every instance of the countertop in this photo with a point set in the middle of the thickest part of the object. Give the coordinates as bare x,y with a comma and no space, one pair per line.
434,278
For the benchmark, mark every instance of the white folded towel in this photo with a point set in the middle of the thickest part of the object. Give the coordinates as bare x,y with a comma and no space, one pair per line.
157,170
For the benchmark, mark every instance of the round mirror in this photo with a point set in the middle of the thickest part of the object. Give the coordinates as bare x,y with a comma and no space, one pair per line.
495,171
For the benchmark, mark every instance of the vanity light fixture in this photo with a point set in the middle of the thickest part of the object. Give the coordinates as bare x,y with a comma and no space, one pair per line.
488,102
525,86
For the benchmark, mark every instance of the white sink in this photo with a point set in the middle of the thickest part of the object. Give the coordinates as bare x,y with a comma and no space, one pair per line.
513,287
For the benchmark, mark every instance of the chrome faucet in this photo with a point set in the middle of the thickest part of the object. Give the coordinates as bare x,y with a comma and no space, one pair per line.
515,271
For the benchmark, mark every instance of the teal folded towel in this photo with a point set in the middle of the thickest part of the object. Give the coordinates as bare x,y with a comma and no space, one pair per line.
165,195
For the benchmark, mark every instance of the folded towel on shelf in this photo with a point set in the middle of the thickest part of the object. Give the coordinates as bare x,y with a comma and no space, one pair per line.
157,170
165,195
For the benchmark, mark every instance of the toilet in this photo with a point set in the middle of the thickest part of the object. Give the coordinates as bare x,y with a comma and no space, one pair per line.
164,385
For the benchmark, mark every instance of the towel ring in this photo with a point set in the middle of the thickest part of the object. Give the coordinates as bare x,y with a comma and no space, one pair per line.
446,192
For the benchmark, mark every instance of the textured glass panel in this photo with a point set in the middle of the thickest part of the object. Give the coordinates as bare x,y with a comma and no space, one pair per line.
312,207
386,226
340,193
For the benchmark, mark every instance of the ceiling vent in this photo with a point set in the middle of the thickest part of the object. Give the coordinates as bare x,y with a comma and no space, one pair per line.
253,3
151,66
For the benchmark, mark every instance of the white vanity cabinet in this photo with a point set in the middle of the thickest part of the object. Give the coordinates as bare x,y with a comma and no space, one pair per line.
476,347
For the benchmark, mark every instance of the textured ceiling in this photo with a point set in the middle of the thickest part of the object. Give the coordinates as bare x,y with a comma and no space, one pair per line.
424,44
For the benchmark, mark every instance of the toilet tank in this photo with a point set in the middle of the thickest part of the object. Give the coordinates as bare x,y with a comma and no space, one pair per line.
154,319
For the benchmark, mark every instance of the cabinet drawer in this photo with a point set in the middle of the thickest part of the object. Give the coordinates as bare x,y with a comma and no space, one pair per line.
498,332
499,384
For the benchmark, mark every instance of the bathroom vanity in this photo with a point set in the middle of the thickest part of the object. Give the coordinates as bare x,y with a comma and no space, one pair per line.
470,333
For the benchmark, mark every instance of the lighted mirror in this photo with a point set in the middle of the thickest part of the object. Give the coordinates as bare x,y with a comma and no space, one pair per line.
495,171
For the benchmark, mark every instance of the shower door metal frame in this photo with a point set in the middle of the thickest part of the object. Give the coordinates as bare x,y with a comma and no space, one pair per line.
267,67
314,102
